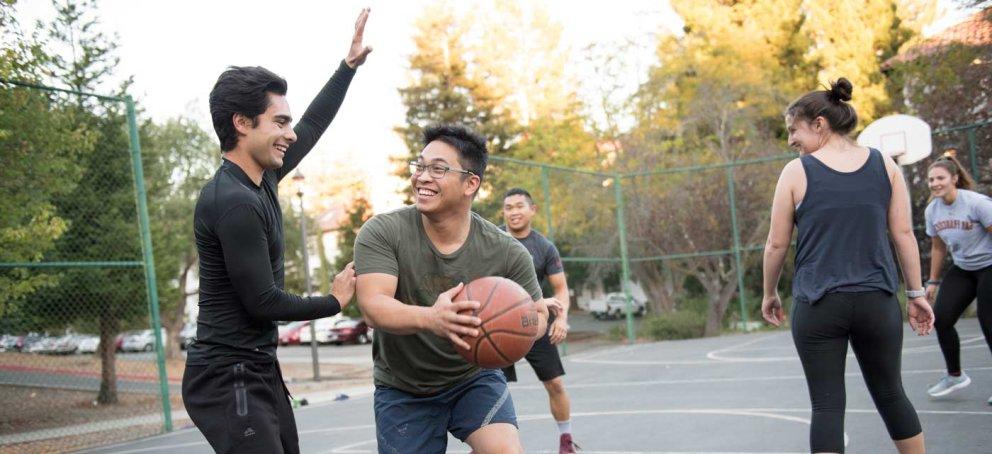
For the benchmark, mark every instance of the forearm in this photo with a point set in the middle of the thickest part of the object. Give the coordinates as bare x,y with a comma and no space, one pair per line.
317,117
937,256
562,297
390,315
909,258
277,305
774,258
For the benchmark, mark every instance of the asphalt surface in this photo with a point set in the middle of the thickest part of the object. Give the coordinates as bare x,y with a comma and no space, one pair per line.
737,393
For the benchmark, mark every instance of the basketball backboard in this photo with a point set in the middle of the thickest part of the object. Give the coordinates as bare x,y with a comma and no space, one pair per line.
904,137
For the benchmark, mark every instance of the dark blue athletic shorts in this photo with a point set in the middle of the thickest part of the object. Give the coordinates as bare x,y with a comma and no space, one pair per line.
408,423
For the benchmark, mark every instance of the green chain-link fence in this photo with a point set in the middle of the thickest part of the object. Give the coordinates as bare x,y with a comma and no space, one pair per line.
685,239
81,357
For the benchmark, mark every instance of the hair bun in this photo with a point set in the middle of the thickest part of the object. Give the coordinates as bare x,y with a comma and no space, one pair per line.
840,90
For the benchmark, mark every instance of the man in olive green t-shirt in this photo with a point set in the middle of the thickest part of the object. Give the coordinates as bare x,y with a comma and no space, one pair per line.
410,263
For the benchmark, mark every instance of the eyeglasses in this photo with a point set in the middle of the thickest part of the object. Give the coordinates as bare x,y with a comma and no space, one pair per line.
436,171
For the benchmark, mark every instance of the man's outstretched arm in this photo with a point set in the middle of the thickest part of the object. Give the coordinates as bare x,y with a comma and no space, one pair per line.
325,105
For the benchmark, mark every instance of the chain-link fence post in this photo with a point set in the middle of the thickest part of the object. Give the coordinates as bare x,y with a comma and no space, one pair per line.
149,260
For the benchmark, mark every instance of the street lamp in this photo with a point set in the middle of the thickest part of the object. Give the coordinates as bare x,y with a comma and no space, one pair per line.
298,178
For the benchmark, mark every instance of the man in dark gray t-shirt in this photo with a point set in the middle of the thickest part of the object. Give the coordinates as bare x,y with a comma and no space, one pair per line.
518,211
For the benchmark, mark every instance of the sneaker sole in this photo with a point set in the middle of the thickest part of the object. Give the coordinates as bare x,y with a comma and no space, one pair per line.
952,388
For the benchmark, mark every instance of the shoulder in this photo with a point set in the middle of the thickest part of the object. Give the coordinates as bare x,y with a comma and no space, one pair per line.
542,240
491,233
793,172
931,207
973,196
391,221
224,192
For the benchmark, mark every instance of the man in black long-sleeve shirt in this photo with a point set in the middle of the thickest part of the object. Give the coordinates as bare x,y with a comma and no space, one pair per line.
232,387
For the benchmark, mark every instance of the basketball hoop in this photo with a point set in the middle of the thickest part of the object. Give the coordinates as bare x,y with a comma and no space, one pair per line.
903,137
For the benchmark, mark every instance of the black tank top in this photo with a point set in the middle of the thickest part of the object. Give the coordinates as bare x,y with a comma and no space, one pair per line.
843,245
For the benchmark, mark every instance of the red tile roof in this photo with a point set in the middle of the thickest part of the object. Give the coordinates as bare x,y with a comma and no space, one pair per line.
976,30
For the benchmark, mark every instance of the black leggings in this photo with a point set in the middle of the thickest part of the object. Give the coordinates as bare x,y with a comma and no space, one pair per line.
957,291
872,322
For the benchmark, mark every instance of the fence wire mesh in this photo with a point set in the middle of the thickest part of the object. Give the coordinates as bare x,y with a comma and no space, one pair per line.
80,359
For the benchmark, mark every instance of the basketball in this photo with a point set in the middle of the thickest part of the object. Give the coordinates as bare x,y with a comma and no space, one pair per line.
509,322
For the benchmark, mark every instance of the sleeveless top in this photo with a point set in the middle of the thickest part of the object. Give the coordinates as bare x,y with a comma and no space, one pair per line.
842,223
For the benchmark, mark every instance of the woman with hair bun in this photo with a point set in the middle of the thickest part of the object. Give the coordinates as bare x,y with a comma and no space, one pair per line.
960,221
845,201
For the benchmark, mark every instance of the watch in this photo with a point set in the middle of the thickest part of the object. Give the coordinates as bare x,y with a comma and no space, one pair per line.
916,293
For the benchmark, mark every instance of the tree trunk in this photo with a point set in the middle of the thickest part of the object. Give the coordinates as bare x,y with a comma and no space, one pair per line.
661,284
109,327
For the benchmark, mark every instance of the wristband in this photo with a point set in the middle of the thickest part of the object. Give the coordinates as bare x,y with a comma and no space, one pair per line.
933,282
916,293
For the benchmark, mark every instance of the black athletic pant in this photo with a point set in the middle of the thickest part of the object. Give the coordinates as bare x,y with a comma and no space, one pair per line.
957,290
241,408
872,323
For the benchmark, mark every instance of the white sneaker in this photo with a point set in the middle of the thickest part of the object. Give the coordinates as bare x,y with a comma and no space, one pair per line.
949,384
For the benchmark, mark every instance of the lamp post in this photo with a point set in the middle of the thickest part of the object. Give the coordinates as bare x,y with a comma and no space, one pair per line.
298,178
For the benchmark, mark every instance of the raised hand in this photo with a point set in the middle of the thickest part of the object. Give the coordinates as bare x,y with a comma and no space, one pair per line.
358,51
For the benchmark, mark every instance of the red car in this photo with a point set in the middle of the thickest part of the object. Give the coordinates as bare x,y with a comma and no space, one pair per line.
289,334
350,330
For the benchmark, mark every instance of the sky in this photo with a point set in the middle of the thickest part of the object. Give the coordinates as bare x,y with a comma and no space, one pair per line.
176,49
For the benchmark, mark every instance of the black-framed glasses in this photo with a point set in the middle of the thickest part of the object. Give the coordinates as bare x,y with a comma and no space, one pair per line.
436,171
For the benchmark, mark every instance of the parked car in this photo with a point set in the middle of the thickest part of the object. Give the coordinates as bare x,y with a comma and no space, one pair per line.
64,345
323,327
339,331
189,335
142,341
614,305
88,344
289,334
350,330
25,342
39,344
8,343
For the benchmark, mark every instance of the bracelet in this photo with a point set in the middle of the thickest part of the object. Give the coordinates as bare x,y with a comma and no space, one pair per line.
933,282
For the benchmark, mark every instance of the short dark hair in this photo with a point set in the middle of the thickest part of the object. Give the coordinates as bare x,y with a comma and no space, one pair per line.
471,146
519,191
241,90
830,104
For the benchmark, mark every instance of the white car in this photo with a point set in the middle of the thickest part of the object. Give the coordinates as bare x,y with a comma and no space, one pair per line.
142,341
614,305
88,344
323,327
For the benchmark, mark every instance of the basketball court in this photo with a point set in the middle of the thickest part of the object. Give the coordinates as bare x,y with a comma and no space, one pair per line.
731,394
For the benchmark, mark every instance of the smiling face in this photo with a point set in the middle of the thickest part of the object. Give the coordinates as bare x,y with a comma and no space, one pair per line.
454,189
271,135
805,136
941,182
518,212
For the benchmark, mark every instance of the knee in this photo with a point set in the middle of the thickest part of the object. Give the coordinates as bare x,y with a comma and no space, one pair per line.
943,323
555,386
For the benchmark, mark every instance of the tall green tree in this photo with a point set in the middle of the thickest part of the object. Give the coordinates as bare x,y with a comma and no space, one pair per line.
40,142
180,157
101,210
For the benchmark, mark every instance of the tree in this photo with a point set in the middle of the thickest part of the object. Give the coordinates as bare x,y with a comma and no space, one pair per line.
39,145
442,89
347,231
181,157
101,210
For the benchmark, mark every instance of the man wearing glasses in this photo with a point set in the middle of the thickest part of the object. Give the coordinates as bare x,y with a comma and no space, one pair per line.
410,263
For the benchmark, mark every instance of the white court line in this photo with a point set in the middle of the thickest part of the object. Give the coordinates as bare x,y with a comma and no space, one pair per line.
716,356
204,443
720,380
350,448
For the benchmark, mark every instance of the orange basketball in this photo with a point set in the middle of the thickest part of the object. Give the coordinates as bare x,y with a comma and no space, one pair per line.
509,322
